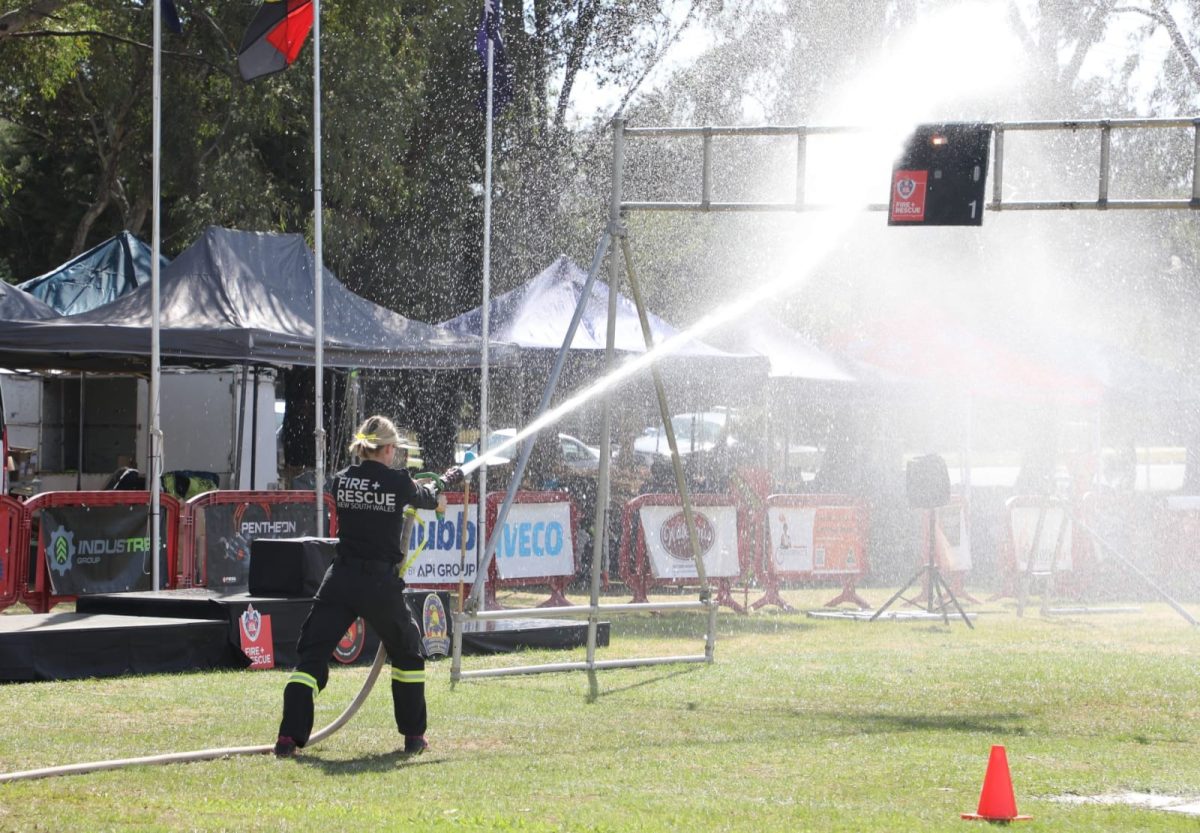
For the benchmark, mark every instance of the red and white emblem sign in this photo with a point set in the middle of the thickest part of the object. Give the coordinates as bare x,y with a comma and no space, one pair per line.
674,535
908,196
255,632
350,646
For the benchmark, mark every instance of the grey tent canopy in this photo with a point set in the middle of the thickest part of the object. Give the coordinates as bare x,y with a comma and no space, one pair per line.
97,277
790,354
234,297
536,315
17,304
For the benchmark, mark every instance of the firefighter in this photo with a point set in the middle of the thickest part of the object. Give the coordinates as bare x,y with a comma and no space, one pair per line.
364,581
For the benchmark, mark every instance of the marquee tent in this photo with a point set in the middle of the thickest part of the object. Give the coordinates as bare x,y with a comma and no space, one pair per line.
790,355
536,315
240,297
16,304
99,276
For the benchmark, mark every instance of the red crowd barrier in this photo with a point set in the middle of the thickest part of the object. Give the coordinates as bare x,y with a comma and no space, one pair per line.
1176,532
1040,541
813,537
71,541
217,528
671,549
534,547
11,514
952,547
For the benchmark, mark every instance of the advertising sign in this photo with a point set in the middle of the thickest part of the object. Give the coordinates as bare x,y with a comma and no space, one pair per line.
435,626
536,541
99,549
441,562
350,646
820,540
254,628
908,197
228,529
664,530
1024,520
953,541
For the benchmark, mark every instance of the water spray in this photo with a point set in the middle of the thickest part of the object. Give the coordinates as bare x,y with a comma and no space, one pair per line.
410,517
825,237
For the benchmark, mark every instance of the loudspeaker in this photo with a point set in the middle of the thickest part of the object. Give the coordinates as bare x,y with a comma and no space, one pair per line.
289,566
928,482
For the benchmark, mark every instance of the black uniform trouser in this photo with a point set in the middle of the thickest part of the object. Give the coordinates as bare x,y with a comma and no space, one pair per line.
372,590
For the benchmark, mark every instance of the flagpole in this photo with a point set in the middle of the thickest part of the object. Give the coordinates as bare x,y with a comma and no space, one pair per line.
318,275
481,544
155,302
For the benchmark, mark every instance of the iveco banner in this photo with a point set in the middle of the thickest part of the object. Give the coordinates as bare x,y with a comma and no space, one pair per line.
228,529
536,541
98,549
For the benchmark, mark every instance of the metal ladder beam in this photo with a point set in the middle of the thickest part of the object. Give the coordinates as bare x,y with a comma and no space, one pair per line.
1102,202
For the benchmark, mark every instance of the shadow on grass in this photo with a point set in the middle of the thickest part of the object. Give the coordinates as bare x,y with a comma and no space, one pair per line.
642,683
643,626
1008,723
382,762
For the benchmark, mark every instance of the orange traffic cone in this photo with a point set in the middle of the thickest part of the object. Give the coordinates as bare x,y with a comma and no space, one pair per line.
996,801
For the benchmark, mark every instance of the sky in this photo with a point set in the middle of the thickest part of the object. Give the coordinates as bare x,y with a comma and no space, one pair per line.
1104,59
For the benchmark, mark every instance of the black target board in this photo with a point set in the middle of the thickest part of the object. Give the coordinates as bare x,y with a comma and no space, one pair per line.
939,179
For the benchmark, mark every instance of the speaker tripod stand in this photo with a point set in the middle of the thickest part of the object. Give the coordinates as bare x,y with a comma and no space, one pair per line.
935,583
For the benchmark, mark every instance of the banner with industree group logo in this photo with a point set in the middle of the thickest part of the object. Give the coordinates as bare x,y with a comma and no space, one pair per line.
98,549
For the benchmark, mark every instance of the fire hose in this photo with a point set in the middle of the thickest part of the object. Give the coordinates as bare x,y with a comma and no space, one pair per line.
410,516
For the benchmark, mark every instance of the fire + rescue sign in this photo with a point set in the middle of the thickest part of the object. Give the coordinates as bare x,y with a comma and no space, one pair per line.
941,177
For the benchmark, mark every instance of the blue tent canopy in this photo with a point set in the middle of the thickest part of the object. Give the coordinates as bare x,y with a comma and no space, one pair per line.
102,274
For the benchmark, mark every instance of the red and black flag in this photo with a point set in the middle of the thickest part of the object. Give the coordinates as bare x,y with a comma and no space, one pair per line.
274,37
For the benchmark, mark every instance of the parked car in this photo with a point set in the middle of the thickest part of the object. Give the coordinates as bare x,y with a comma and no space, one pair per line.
576,453
696,431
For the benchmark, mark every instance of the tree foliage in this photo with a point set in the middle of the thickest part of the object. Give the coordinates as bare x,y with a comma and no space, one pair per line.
402,135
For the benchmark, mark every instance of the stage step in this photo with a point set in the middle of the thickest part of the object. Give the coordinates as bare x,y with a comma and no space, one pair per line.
181,630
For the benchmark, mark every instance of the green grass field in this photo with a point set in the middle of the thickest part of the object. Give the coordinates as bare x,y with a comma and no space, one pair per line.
801,724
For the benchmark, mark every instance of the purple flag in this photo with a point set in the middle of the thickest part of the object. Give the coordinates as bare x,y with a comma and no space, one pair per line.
489,31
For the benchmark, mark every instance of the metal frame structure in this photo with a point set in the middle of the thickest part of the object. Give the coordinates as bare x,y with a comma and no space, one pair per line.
616,232
1104,127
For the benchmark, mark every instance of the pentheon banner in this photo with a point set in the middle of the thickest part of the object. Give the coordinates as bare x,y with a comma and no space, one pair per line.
99,549
228,529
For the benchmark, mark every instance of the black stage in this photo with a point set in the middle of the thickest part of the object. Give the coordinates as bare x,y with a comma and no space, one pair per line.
66,646
180,630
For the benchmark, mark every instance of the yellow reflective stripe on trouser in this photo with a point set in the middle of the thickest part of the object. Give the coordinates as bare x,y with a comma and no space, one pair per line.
304,679
399,675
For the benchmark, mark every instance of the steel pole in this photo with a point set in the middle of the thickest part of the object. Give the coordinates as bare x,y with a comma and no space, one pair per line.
318,281
155,305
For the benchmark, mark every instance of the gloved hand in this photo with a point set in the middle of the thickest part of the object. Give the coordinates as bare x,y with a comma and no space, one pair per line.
452,477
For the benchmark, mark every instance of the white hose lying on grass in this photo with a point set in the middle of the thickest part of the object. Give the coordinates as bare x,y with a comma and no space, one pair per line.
206,754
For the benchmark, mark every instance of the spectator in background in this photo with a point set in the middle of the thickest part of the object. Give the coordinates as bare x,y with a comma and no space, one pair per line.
546,469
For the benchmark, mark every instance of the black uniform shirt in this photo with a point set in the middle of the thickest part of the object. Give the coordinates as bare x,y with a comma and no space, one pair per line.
370,506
